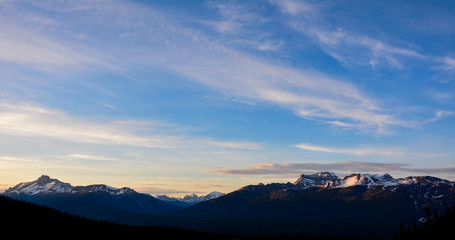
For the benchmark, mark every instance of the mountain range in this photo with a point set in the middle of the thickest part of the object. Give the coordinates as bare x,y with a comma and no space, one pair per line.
324,196
321,203
94,201
190,199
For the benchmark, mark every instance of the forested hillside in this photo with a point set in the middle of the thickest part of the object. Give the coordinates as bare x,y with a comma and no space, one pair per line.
434,225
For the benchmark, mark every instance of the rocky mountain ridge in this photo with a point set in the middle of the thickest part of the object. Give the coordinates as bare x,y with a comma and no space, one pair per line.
47,185
190,199
327,197
330,180
98,201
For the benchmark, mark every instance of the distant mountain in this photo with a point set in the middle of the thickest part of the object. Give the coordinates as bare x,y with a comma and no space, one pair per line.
325,197
189,199
93,201
47,185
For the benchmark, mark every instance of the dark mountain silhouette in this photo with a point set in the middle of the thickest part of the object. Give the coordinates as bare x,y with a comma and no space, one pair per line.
22,219
358,196
95,201
359,204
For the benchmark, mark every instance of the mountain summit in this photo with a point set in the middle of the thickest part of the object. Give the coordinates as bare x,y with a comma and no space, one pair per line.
43,184
330,180
98,201
190,199
47,185
317,180
323,196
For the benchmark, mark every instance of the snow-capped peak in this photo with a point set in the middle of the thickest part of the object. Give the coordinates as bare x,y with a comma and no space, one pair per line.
368,180
425,180
125,190
330,180
43,184
191,198
325,175
317,180
215,194
47,185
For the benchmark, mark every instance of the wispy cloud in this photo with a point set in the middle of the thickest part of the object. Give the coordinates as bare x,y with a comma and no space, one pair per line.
239,25
22,119
345,167
96,158
440,115
347,46
350,48
32,120
446,72
234,17
235,145
7,160
192,54
297,8
365,151
353,46
309,94
26,47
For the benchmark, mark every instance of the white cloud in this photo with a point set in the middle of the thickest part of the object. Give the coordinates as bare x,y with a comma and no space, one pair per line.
439,115
236,145
339,124
32,120
8,160
364,151
346,45
446,72
96,158
362,50
30,48
309,94
234,17
296,8
193,55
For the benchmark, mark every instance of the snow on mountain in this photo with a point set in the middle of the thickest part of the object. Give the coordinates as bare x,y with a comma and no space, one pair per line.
44,184
191,199
102,188
213,195
330,180
426,180
368,180
47,185
317,180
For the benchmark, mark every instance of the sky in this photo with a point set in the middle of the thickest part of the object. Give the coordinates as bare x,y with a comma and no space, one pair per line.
178,97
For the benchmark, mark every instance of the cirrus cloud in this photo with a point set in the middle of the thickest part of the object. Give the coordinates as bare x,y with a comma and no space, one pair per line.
365,151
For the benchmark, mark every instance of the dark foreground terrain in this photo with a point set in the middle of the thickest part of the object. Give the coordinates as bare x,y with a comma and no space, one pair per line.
435,225
22,219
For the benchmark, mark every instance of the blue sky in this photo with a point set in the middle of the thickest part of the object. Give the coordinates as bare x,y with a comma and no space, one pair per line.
194,96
